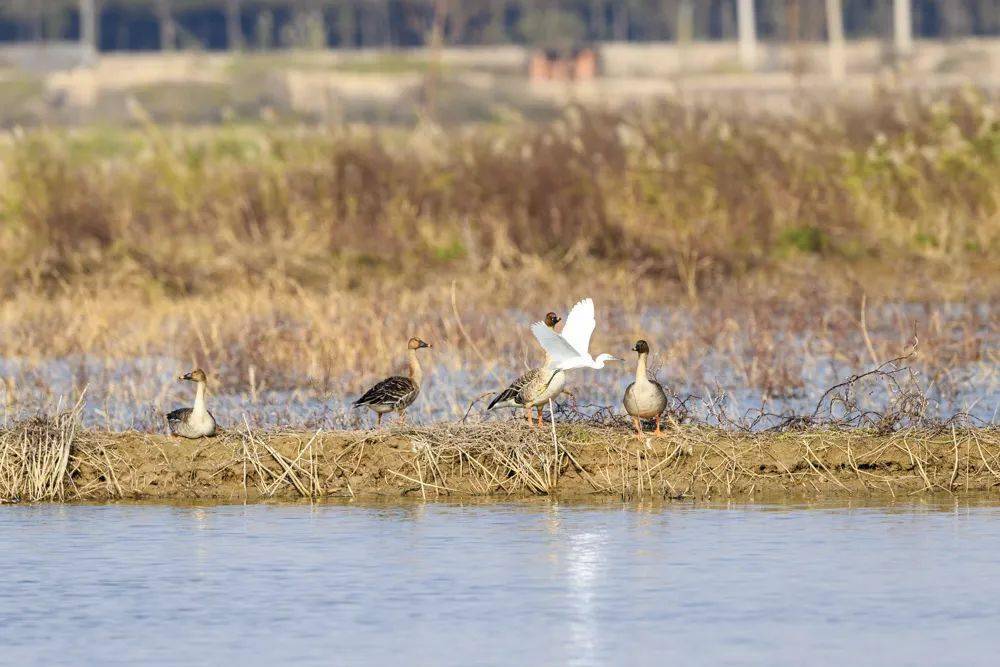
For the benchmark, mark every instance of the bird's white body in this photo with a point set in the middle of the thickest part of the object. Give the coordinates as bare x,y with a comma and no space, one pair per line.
570,349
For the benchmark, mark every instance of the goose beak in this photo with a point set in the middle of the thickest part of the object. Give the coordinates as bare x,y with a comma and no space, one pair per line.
186,376
423,344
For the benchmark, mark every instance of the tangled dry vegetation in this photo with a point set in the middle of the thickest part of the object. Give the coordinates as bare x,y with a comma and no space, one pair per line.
53,459
35,457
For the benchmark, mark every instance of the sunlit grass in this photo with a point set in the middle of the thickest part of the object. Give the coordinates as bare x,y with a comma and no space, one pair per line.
699,195
749,245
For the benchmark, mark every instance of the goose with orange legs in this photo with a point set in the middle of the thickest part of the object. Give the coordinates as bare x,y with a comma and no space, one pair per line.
644,398
534,388
396,393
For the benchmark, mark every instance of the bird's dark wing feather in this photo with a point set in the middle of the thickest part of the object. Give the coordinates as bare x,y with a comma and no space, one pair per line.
391,391
179,415
512,391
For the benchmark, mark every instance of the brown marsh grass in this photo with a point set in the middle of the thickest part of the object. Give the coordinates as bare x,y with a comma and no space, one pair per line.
781,337
691,194
755,251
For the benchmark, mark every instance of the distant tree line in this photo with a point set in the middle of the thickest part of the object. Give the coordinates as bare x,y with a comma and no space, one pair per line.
267,24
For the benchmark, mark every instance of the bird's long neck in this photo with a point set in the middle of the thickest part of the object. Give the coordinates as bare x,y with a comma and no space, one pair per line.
416,373
199,399
640,368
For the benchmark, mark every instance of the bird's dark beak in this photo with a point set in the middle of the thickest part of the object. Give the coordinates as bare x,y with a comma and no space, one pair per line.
635,348
186,376
558,319
423,344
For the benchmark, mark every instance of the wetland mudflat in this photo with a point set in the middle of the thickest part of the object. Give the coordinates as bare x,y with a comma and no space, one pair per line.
56,460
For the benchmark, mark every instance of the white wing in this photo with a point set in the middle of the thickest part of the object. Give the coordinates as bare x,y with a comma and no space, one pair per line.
579,327
560,351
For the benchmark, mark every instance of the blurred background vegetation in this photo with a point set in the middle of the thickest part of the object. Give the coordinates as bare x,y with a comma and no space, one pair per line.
267,24
687,196
316,138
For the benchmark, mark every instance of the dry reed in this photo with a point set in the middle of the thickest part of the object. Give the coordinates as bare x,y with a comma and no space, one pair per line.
35,455
54,460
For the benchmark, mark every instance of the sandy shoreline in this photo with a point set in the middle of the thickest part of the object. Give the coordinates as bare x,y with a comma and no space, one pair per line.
54,460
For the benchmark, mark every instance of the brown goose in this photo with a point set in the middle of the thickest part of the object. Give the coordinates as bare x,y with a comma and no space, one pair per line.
644,398
534,388
396,393
195,422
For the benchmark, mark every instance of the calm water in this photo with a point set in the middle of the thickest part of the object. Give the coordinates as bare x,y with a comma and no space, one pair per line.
518,584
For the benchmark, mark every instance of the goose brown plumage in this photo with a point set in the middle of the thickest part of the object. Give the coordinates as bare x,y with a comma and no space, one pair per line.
396,393
534,388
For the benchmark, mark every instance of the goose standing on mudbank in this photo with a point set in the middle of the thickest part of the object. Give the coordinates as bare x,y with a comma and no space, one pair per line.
644,398
534,388
195,422
396,393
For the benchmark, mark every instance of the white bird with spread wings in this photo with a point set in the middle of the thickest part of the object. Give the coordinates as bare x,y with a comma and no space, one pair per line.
570,349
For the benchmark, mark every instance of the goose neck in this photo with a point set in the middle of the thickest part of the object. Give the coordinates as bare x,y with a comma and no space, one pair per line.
199,399
416,372
640,368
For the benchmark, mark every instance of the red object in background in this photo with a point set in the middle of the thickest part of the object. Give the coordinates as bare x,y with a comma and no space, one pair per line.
550,65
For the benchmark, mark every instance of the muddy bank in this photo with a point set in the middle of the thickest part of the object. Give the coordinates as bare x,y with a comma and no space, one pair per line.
55,460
